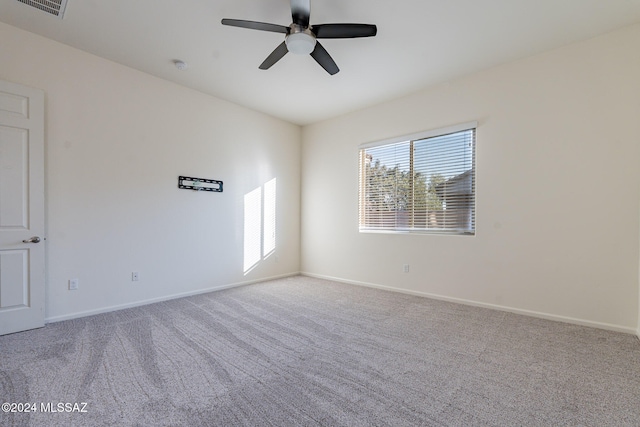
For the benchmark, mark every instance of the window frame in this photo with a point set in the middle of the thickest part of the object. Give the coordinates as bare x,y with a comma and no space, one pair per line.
411,138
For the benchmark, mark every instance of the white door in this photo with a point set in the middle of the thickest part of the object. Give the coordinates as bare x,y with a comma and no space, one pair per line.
22,265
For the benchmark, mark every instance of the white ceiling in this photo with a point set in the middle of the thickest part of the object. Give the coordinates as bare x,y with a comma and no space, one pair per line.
419,43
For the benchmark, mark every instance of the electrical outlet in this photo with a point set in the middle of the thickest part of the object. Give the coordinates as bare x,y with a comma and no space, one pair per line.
405,268
73,284
135,276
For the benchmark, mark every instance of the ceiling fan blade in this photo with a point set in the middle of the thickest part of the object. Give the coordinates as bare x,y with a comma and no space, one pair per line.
275,56
323,58
344,31
300,11
253,25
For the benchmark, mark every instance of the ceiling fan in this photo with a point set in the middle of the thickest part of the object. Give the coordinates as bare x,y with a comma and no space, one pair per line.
301,37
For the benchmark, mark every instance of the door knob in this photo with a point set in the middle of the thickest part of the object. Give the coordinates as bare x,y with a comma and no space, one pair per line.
34,239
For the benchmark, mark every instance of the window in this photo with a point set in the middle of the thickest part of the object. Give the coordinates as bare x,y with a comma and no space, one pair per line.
420,183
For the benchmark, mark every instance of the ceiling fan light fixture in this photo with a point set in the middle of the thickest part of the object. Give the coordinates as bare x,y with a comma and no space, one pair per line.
300,43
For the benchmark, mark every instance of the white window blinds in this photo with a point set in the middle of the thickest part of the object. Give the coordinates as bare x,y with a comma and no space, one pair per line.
425,183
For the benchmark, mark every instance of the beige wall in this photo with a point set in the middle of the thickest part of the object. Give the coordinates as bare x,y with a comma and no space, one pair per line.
116,142
557,185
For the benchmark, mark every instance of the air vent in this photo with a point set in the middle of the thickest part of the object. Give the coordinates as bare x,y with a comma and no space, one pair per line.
54,7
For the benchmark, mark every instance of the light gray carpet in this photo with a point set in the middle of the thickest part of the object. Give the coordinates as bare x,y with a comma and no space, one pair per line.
308,352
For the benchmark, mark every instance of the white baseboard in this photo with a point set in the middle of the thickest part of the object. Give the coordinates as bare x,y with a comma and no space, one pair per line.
160,299
581,322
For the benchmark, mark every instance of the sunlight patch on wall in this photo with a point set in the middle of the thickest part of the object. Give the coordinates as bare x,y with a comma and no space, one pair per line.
259,224
269,235
252,225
